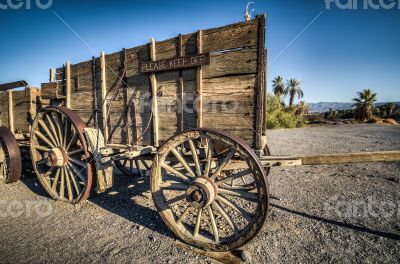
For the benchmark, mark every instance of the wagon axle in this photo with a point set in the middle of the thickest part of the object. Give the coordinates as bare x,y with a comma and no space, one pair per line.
56,157
201,192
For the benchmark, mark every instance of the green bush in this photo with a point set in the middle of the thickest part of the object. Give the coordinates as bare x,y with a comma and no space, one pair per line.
280,117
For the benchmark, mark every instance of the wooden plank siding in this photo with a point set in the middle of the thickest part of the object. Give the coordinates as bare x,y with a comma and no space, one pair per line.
228,87
25,105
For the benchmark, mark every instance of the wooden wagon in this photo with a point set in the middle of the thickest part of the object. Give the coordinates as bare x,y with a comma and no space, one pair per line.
189,111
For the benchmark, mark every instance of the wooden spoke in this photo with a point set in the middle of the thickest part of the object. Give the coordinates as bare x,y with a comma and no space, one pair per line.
58,125
76,151
224,162
176,199
237,193
77,172
173,171
145,165
42,137
198,222
49,172
235,207
225,216
49,134
138,168
65,132
72,141
183,215
77,162
55,181
233,177
62,184
213,224
68,181
209,157
53,129
195,157
174,186
40,162
74,182
183,162
41,148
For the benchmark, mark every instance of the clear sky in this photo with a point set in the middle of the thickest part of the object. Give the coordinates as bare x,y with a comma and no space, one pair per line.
339,53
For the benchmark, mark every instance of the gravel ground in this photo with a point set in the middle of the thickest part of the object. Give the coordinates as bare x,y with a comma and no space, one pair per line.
329,214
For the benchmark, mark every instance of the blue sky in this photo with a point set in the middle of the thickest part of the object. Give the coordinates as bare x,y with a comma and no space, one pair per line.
340,53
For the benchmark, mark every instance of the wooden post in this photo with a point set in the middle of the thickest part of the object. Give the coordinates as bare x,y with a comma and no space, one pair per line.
68,85
199,80
181,91
265,53
260,84
10,112
126,97
95,89
52,75
104,94
154,106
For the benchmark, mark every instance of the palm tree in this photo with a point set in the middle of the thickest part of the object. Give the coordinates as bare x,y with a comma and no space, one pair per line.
293,88
302,109
364,106
389,108
278,85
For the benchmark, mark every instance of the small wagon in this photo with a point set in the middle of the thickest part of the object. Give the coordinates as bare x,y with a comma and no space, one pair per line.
163,110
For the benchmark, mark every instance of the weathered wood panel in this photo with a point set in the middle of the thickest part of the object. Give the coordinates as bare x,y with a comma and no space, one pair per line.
228,86
24,103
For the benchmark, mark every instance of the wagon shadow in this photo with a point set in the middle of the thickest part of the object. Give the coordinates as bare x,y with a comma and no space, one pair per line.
340,224
119,200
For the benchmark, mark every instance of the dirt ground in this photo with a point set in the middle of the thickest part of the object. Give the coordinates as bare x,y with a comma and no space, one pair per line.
328,214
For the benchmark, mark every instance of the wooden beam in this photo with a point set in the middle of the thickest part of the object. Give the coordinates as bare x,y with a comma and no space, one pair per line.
326,159
181,91
52,77
10,112
154,106
199,80
68,85
8,86
95,90
260,84
104,95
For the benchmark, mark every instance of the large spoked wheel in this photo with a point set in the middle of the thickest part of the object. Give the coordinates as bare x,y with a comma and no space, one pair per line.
135,167
10,157
210,188
59,154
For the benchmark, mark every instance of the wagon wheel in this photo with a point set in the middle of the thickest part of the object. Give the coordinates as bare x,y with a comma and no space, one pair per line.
59,154
135,167
210,200
10,157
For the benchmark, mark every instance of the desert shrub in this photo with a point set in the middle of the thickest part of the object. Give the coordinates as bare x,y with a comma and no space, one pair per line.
280,117
333,116
390,121
315,118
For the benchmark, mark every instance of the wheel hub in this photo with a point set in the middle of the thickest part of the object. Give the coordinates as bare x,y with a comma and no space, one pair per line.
201,192
57,157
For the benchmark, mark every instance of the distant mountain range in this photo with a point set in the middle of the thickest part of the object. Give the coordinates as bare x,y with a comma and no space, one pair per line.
335,106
